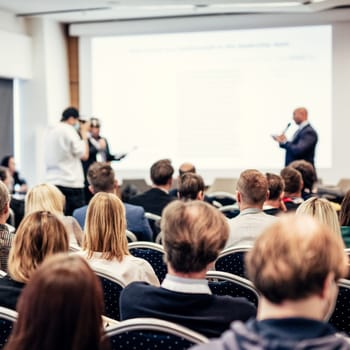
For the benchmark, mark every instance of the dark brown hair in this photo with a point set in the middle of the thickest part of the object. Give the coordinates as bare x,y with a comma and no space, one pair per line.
101,177
190,185
344,215
60,308
161,172
276,185
293,181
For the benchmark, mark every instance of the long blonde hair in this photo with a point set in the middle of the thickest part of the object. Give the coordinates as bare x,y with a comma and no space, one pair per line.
39,235
45,197
322,210
105,227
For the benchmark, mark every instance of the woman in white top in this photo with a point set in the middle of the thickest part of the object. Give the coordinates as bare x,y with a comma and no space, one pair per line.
105,245
48,197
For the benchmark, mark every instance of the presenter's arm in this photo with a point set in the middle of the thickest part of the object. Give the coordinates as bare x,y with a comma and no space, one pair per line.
305,143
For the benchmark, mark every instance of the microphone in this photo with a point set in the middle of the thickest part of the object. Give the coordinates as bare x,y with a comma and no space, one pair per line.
286,128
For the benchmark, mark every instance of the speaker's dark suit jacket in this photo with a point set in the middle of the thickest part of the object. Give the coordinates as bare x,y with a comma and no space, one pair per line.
153,200
207,314
302,146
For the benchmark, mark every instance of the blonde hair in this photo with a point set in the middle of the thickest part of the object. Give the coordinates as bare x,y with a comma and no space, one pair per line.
45,197
105,227
322,210
292,258
4,196
39,235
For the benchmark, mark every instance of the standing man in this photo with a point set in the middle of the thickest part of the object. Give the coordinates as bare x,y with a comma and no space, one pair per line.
65,149
303,143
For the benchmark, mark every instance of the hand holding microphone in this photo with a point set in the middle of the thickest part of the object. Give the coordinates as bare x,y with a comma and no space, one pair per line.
282,137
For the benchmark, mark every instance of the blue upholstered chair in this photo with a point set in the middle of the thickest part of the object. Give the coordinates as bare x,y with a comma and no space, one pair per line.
112,288
231,260
7,319
153,253
223,283
152,334
340,319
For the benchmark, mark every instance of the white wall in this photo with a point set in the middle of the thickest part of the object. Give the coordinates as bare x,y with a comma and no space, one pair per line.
341,71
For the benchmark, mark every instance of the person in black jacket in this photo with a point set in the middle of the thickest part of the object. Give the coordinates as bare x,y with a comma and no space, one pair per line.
194,233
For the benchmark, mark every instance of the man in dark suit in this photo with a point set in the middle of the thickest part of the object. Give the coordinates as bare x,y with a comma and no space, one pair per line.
101,178
303,143
155,199
194,233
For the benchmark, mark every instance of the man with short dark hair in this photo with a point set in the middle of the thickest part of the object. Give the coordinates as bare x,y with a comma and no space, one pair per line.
293,185
252,191
64,151
274,204
295,264
193,235
155,199
101,178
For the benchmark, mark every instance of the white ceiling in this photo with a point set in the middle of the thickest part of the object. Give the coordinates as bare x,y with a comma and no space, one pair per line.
72,11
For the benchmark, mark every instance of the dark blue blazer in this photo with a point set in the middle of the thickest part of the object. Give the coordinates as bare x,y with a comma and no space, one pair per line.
135,218
302,146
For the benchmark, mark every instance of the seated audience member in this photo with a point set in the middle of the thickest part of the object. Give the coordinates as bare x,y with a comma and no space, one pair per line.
60,308
293,184
308,175
101,178
274,204
344,219
194,234
48,197
191,187
252,191
19,184
295,264
16,204
39,235
5,236
155,199
322,210
105,244
185,168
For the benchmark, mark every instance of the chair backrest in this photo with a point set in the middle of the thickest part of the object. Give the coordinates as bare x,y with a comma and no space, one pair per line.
130,236
112,288
150,333
340,318
230,211
153,253
221,198
154,222
7,319
224,283
231,260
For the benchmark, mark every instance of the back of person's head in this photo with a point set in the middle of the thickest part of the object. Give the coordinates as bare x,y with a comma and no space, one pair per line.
39,235
293,181
344,215
322,210
45,197
4,197
191,186
60,308
193,235
4,173
186,168
307,172
292,258
275,185
162,172
70,112
253,187
5,161
105,227
101,177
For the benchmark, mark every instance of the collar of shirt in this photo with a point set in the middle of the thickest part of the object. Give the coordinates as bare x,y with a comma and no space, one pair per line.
186,285
303,124
250,211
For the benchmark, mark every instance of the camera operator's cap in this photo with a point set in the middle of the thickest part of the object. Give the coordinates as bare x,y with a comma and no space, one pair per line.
70,112
95,122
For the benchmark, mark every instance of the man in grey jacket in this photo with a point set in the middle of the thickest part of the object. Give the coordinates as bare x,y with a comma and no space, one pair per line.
295,264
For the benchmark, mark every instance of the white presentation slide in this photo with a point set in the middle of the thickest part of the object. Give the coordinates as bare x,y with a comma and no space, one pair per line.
212,98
